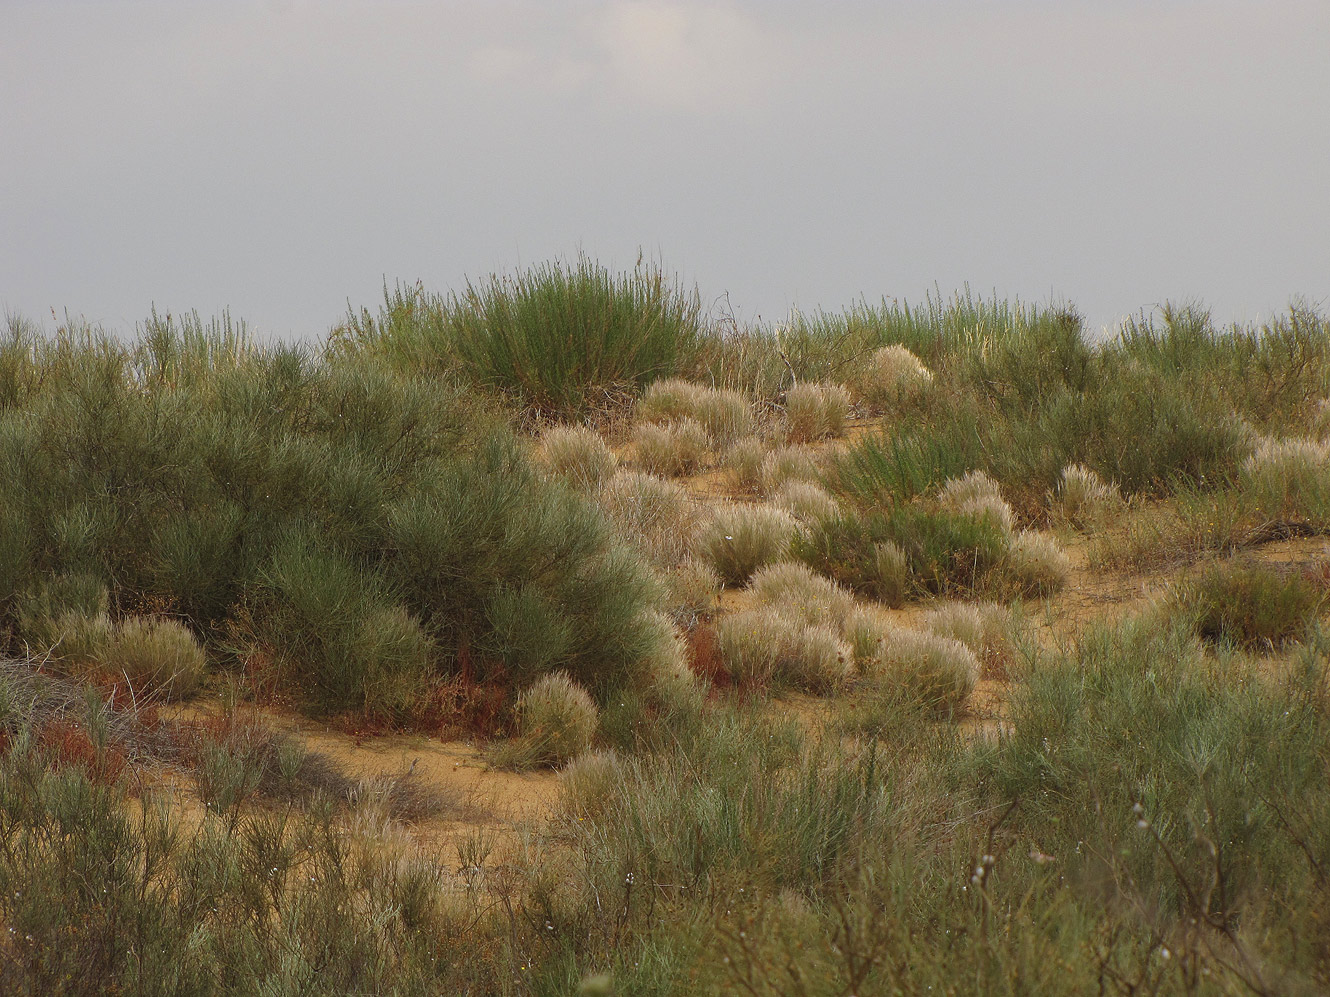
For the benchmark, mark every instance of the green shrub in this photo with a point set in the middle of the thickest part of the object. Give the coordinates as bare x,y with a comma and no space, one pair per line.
1248,605
742,538
556,336
155,655
886,469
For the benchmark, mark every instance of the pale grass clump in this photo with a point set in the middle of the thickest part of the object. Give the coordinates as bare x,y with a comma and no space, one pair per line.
892,376
726,414
935,671
816,411
765,646
692,588
985,628
788,463
806,501
1035,564
744,460
557,718
795,589
578,455
742,538
1289,477
865,630
81,640
588,784
657,516
672,684
154,653
1083,498
979,496
671,398
891,572
1320,417
672,449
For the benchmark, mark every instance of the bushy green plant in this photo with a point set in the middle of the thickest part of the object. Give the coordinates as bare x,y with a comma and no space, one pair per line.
1248,604
555,336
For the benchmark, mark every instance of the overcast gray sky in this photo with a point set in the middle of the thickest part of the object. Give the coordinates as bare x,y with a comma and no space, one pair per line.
282,158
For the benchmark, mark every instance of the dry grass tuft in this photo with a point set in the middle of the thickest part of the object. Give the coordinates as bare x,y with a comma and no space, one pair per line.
156,654
1035,565
673,449
985,628
891,377
785,464
578,455
795,589
657,516
816,411
765,647
937,672
806,501
1083,498
742,538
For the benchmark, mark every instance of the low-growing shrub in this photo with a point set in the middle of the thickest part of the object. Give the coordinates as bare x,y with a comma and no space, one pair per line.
156,655
672,449
935,671
1248,604
742,538
749,645
81,642
888,468
795,589
1035,565
557,719
578,455
891,377
815,411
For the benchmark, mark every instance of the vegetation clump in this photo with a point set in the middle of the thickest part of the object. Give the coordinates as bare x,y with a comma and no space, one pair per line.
1249,605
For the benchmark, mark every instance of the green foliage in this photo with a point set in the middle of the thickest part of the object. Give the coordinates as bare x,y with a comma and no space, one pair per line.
946,553
1248,604
321,515
555,336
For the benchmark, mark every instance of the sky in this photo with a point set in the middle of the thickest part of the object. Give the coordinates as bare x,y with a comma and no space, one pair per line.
286,159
